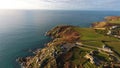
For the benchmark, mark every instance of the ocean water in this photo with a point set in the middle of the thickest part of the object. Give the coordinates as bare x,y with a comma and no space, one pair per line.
23,30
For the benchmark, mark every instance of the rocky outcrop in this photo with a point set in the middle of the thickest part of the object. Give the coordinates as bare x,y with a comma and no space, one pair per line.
99,24
112,18
65,33
56,51
108,22
44,58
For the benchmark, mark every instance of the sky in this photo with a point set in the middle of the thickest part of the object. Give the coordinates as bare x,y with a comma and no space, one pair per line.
61,4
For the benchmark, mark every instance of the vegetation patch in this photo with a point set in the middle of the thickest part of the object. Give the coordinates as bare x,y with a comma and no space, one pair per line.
114,45
93,43
89,34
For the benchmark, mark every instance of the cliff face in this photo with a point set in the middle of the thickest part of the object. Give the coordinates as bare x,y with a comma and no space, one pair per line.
65,33
99,24
43,59
56,52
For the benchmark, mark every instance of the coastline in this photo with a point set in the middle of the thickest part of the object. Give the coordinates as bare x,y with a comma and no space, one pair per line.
59,50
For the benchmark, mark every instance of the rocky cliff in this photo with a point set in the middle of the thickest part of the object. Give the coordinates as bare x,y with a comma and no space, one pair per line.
56,53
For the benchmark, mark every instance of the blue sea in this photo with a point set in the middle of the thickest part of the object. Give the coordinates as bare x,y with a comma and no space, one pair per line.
23,30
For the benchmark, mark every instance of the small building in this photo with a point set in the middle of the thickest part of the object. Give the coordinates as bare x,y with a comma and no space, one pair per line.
106,49
89,56
113,27
109,32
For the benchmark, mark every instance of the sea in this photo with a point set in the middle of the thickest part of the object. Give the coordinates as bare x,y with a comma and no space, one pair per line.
22,31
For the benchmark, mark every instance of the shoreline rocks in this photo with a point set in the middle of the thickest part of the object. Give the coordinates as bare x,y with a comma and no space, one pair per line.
48,57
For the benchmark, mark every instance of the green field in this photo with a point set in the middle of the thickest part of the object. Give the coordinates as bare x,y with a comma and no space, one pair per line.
115,22
114,45
90,65
89,34
93,43
90,37
78,55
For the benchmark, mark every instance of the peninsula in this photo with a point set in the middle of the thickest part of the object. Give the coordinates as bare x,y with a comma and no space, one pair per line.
74,47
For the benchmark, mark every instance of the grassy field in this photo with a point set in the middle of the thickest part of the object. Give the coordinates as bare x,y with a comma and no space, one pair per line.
103,57
115,22
78,55
92,38
93,43
89,65
114,45
89,34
